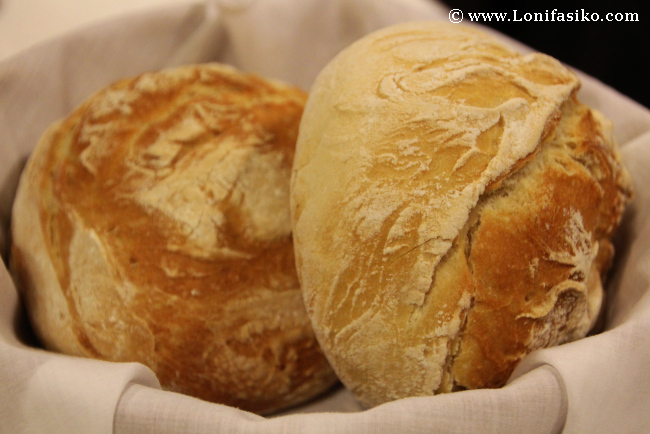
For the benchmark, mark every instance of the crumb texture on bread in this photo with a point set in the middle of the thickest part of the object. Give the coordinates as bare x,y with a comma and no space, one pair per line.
452,206
153,225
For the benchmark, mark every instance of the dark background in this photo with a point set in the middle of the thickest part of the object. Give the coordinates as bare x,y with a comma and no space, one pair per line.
616,53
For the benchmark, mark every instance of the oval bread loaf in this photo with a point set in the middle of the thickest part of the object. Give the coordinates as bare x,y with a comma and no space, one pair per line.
453,205
152,225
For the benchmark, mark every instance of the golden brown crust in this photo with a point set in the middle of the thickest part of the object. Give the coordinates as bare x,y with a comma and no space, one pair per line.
538,249
153,224
452,206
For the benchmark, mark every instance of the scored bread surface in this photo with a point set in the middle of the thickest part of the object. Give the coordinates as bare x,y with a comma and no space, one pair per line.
153,225
453,205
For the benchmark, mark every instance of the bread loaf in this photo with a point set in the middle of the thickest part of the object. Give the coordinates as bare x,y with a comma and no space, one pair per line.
152,225
453,205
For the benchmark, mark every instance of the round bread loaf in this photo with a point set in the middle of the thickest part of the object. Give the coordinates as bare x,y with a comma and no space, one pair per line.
153,225
453,205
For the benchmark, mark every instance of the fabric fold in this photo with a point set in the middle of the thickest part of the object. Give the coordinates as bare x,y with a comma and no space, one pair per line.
54,393
534,403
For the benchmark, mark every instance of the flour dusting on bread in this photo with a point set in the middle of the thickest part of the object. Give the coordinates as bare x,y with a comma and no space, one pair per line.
430,157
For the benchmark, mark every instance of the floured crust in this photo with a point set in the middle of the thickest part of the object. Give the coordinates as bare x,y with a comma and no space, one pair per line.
452,206
153,225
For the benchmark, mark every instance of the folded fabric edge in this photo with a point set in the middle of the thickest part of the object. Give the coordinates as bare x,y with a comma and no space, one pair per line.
535,402
595,369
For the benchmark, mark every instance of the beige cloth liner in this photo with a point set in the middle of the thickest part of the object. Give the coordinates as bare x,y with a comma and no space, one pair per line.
598,384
